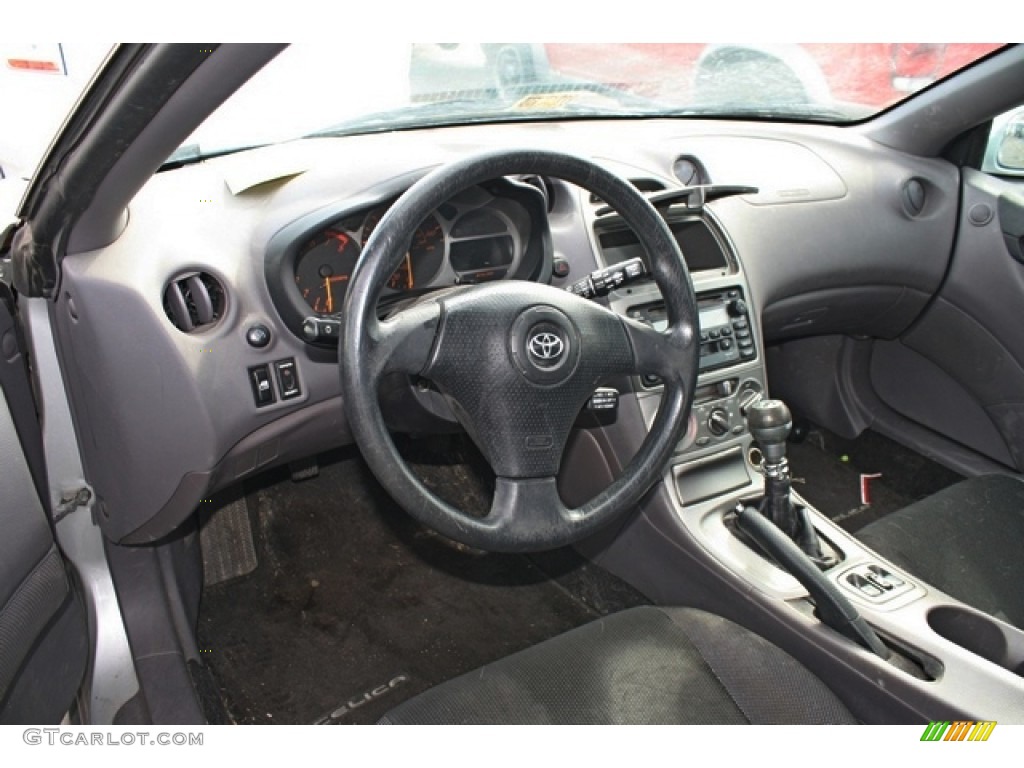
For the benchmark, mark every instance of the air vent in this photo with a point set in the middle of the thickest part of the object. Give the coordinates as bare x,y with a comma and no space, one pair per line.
647,186
915,196
194,301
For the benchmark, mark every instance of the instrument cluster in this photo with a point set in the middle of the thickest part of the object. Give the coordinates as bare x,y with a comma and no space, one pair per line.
474,238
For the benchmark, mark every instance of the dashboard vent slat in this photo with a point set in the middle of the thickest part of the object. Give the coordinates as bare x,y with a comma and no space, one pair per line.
194,301
176,309
201,299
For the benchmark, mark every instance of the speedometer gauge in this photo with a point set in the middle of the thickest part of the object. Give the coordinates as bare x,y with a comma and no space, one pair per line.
422,261
323,269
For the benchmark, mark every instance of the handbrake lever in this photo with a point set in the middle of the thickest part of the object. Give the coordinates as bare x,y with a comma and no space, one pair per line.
832,606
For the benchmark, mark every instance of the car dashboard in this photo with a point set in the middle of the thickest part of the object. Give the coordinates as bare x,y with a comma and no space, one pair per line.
209,305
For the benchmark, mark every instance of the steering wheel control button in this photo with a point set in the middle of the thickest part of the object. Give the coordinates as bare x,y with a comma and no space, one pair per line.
604,399
545,345
262,389
258,336
287,378
539,442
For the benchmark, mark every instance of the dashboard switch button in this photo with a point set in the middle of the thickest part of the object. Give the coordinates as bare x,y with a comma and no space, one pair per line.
258,336
287,378
262,389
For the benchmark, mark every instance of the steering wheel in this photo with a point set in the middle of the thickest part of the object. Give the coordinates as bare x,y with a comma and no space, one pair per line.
516,361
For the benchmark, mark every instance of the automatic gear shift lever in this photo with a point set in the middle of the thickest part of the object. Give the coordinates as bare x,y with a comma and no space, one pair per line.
770,422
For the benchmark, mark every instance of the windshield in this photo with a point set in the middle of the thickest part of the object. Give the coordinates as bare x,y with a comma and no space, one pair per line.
39,83
311,90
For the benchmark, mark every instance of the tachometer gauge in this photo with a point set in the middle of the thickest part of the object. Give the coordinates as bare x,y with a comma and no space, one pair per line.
422,261
323,269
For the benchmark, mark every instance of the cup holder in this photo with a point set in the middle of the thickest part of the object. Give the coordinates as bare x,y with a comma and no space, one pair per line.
976,632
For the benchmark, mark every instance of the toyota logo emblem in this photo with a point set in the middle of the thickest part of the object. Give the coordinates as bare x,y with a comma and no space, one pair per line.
546,346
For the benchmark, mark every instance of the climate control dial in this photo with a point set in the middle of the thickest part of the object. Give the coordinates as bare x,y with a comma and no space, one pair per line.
718,422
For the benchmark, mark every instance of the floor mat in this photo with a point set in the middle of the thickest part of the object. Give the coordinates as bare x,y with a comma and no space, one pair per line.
355,607
827,473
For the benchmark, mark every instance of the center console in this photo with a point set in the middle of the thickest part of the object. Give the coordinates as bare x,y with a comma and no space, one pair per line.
713,456
689,539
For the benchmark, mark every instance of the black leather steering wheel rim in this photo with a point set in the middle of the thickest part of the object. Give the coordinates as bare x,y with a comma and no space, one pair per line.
471,340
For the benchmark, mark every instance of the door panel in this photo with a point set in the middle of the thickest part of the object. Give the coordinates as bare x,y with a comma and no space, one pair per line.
971,334
43,636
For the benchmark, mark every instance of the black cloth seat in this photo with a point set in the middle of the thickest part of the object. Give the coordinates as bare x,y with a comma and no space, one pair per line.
642,666
967,540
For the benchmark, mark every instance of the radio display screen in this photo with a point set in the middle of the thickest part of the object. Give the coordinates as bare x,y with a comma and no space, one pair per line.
713,317
699,246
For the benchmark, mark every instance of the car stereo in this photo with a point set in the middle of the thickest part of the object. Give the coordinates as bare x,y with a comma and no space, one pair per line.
726,337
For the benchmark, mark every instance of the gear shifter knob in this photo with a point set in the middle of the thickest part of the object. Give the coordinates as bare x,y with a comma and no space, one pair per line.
770,422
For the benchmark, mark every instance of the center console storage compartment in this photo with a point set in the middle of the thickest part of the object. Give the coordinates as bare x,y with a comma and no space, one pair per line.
712,476
998,643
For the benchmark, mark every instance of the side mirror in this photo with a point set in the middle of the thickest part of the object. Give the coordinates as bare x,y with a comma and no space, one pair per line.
1005,152
1011,148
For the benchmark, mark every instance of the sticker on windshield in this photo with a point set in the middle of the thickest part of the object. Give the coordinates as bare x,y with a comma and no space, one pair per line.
545,101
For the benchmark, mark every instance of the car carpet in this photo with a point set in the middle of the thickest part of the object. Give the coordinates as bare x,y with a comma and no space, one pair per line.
827,472
355,607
